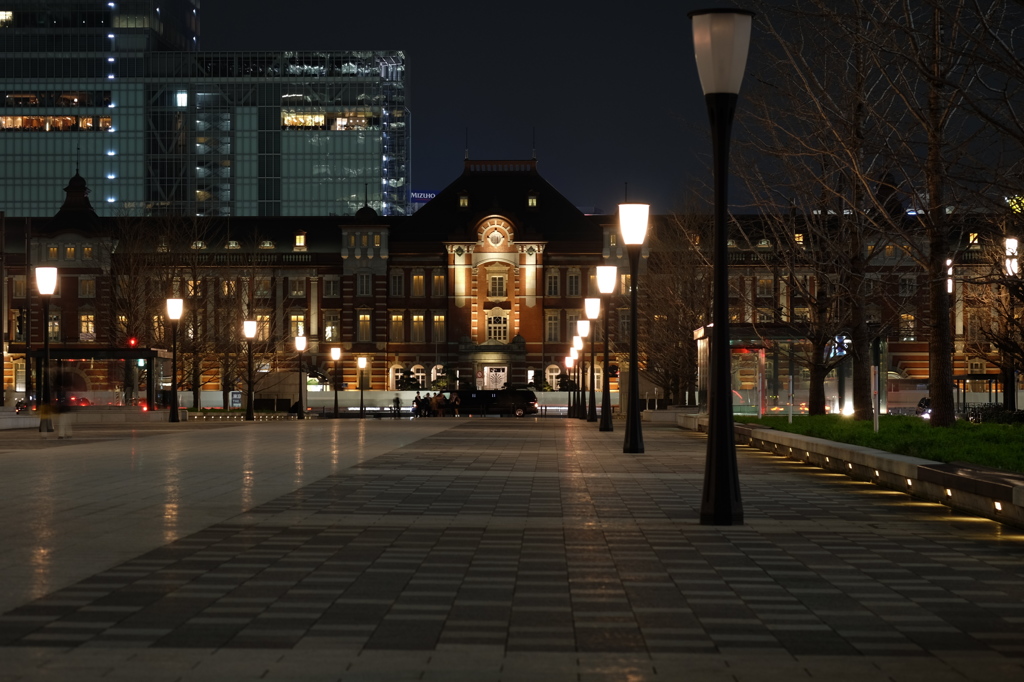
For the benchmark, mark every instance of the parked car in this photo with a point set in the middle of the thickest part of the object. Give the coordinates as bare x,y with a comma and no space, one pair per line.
519,402
924,408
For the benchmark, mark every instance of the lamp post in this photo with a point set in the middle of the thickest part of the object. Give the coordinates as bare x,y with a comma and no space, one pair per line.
721,38
362,366
582,330
249,329
175,306
606,276
335,355
46,284
592,306
633,226
300,346
1009,374
568,398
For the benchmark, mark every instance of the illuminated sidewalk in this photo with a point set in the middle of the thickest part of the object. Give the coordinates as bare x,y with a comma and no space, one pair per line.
480,549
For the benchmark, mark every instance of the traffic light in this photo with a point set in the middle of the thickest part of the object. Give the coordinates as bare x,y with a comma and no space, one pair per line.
132,342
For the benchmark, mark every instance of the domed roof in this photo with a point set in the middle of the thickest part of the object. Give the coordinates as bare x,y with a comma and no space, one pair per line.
76,212
366,214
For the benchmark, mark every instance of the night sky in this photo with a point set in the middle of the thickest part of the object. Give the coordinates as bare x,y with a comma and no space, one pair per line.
609,90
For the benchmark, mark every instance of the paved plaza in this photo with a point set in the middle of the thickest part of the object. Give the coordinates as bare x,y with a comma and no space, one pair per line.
478,550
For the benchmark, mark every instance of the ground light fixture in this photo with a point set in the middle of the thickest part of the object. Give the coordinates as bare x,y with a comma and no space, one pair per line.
721,39
633,227
175,307
249,330
46,284
607,276
300,346
592,307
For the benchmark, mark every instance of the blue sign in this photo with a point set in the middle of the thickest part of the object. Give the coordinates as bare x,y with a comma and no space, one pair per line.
423,197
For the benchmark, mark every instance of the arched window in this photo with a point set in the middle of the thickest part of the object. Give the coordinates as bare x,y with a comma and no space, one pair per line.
395,375
436,372
497,325
551,373
420,375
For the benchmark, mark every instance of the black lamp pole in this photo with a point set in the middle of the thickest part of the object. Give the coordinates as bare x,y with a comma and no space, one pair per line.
721,37
335,355
300,345
249,329
634,439
606,278
46,424
174,310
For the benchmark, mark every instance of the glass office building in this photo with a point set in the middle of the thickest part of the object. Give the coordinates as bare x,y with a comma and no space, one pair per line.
120,91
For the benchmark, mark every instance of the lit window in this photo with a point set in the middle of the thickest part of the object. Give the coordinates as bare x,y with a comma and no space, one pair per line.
262,327
52,252
87,327
332,325
417,335
364,331
440,334
227,288
438,289
181,98
266,244
87,253
262,287
300,239
397,332
418,284
376,240
53,327
497,325
69,253
463,200
908,327
19,286
298,286
531,201
297,324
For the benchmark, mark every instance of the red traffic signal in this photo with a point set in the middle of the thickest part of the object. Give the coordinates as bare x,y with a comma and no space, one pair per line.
132,342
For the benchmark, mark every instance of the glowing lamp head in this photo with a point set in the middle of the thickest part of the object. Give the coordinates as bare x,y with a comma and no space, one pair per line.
300,343
569,361
335,354
721,40
593,308
574,353
175,306
583,329
633,222
362,363
607,275
577,342
249,329
46,280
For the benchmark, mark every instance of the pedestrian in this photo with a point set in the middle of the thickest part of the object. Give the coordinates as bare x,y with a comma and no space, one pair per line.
456,401
397,406
417,405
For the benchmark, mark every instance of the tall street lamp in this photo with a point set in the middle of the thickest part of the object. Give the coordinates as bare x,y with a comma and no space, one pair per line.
175,306
574,353
606,277
335,355
46,284
249,329
362,385
633,226
592,306
300,346
721,38
582,331
569,361
1009,374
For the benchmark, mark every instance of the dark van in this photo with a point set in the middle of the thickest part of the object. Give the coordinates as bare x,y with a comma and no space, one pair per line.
518,402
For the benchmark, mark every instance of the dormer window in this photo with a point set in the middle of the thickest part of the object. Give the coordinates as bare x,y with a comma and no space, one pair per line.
199,245
266,244
463,201
531,200
232,245
300,240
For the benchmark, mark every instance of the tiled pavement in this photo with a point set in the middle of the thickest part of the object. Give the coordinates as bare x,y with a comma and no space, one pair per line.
486,549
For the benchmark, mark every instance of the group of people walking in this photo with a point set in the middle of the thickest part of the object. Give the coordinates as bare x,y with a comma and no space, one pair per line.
436,405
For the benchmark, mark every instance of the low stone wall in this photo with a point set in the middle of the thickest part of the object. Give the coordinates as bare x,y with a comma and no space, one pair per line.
982,491
99,414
